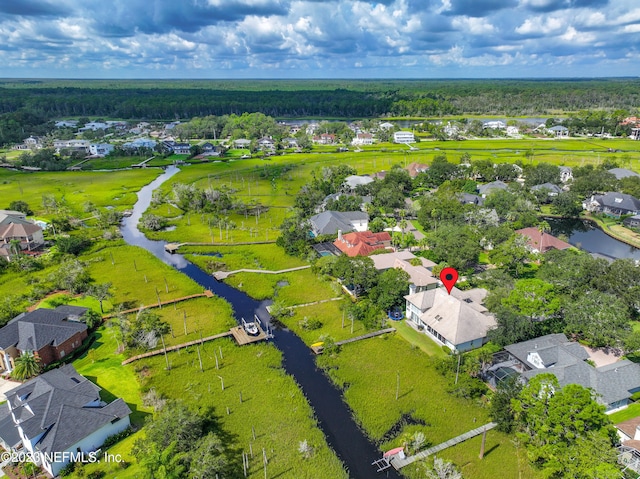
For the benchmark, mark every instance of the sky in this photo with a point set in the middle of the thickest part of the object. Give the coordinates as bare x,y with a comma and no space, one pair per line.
222,39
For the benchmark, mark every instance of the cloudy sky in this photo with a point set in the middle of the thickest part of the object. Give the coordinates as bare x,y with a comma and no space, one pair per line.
319,38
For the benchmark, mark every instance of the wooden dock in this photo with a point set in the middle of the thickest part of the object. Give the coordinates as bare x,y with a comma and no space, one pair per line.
220,275
168,349
206,294
242,338
398,463
319,349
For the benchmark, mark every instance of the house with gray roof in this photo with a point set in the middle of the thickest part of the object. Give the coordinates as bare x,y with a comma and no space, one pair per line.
620,173
61,412
550,188
567,360
51,333
487,189
330,222
353,181
458,320
613,204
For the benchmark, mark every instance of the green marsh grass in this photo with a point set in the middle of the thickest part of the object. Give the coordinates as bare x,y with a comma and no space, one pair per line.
271,403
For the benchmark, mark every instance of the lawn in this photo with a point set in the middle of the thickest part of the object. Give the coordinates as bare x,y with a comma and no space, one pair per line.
368,370
138,278
72,189
259,395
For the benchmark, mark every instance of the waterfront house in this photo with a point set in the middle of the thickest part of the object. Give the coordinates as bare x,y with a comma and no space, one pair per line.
458,320
60,412
51,334
613,384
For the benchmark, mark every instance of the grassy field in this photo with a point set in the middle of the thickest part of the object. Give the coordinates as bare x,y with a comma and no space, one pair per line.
271,403
74,188
368,370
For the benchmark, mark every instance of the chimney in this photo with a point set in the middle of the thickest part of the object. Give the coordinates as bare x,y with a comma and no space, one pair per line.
339,235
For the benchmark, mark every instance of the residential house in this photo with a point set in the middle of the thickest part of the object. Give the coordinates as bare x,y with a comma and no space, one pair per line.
541,242
330,222
60,412
94,126
362,243
290,143
613,204
362,139
353,181
140,143
632,221
15,227
66,124
50,333
420,276
613,384
405,137
81,146
494,125
182,149
551,189
241,143
209,149
629,434
457,320
513,131
386,125
559,131
469,199
620,173
415,169
566,174
266,143
33,142
487,189
100,149
325,139
635,134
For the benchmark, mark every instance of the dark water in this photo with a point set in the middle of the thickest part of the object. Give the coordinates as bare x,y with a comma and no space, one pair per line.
587,236
334,416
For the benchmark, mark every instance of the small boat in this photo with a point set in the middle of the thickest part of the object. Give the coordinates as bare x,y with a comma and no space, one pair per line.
250,328
318,344
393,452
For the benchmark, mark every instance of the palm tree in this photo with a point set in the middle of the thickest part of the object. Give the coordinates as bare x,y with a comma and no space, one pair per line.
542,229
26,366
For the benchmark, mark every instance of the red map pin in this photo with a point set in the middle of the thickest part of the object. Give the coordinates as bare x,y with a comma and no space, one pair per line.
449,277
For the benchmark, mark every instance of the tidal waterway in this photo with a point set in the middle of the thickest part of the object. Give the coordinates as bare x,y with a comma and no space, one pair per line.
335,418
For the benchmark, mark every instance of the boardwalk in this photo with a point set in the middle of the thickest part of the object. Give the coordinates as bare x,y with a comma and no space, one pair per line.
220,275
176,347
398,463
206,294
173,247
318,349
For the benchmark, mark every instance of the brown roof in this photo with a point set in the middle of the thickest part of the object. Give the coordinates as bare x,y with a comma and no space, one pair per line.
629,426
362,243
415,168
18,230
542,242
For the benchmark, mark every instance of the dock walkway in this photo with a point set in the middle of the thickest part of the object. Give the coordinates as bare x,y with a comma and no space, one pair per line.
220,275
318,349
398,463
176,347
206,294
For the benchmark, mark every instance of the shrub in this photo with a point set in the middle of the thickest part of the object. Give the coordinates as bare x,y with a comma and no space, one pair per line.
310,324
115,438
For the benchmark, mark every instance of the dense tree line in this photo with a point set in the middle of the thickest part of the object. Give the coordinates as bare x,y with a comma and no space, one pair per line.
25,107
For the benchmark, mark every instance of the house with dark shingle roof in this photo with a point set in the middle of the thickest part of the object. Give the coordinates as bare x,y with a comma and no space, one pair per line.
550,188
613,384
620,173
487,189
613,204
50,333
330,222
60,412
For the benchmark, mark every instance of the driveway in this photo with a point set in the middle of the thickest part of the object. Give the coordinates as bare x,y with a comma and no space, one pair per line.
5,387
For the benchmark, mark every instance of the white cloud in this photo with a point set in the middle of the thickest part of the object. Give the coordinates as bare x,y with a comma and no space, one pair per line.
473,25
540,26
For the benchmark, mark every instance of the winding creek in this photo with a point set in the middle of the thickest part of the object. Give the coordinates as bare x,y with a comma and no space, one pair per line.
334,417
